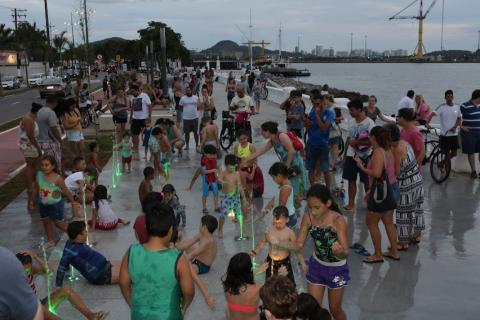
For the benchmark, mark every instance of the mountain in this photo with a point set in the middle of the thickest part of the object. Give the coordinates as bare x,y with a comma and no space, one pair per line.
107,40
228,48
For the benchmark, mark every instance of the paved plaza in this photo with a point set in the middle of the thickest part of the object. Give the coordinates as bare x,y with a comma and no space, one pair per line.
436,280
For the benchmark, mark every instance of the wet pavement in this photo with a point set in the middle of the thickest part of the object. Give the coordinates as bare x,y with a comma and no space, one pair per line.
436,280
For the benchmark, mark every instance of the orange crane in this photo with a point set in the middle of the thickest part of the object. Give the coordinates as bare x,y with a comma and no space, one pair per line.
420,49
263,43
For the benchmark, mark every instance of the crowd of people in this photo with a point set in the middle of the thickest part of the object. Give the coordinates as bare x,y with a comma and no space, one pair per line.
158,275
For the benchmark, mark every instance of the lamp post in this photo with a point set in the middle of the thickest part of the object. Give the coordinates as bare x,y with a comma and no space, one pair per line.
87,44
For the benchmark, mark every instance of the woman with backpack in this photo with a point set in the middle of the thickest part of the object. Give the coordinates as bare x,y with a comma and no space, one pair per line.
289,150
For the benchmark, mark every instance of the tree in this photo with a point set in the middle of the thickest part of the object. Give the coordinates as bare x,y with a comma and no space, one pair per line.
7,37
33,40
59,42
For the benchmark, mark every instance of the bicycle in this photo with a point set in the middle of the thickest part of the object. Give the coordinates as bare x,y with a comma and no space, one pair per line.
230,128
89,114
440,162
264,91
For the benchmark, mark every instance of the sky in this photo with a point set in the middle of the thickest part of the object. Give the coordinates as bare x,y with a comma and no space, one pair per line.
329,23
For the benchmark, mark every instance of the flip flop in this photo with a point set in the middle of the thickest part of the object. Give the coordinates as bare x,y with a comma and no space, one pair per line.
102,315
363,252
371,260
388,255
356,246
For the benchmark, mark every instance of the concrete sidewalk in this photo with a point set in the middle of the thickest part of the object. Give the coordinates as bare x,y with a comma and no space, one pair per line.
437,280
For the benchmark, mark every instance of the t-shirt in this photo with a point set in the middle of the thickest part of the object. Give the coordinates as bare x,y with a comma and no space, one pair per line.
406,102
189,105
298,110
360,130
140,227
71,181
46,118
448,117
413,136
244,104
17,299
372,115
470,116
140,106
423,112
316,136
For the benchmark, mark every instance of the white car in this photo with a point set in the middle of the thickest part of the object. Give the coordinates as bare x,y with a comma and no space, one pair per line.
10,82
36,79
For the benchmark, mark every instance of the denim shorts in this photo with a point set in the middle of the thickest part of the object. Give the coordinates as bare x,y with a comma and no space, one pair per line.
52,211
74,136
318,153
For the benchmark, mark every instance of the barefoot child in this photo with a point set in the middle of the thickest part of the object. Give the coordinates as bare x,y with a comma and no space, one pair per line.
170,197
146,133
49,188
244,149
161,151
146,185
57,296
232,193
208,169
126,148
202,255
281,239
93,160
209,133
103,217
92,265
78,183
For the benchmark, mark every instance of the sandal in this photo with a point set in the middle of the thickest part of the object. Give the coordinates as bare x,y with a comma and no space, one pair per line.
372,260
389,255
415,240
101,315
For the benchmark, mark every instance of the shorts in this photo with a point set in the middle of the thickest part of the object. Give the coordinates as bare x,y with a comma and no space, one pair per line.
126,160
179,116
119,120
202,267
207,187
448,143
137,126
74,136
190,126
229,202
335,140
166,157
335,276
52,211
28,150
351,170
53,149
274,265
106,276
318,153
470,142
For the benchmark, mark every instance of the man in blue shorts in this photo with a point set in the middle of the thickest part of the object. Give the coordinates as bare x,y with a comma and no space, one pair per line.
470,133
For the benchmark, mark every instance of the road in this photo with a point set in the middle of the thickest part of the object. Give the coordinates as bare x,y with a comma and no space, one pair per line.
14,106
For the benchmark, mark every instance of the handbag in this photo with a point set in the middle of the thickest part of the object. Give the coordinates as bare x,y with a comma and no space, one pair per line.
381,198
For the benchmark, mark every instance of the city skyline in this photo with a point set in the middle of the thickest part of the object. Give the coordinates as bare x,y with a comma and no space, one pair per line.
203,23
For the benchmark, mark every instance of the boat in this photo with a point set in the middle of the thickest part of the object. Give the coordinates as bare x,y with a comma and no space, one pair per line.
281,69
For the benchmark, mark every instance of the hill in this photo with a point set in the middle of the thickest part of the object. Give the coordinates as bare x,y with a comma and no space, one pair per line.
112,39
228,48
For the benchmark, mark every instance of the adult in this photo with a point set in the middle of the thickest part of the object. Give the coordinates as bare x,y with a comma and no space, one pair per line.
17,299
177,95
243,105
279,298
251,81
140,111
106,93
71,121
470,133
411,134
189,104
287,154
409,213
244,83
49,136
295,113
422,110
318,142
119,105
450,121
357,144
77,88
241,291
230,89
173,135
373,112
30,148
209,74
206,105
382,161
407,101
150,291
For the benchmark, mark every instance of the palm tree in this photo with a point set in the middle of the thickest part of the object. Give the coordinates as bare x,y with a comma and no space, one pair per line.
6,37
59,43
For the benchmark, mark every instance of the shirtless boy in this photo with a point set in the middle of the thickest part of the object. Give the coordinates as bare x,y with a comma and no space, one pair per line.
202,255
281,240
209,133
146,185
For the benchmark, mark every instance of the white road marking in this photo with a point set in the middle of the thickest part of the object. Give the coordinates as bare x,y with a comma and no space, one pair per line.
16,102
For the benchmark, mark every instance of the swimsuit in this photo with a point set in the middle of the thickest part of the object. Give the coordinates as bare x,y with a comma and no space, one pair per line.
202,267
274,265
240,308
228,202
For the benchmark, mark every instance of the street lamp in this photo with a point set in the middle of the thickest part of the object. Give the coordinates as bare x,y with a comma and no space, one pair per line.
71,24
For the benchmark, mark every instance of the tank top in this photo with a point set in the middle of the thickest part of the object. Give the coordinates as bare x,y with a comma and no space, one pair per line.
290,204
156,290
390,166
243,152
23,133
116,106
323,240
49,193
72,120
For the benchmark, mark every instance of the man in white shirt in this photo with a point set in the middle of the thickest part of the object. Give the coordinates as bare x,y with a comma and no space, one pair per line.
450,121
189,102
407,101
241,102
141,110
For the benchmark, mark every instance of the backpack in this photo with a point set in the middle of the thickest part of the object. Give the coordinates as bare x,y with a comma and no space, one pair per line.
296,142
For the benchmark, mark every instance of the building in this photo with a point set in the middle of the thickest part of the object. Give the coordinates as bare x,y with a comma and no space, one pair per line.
318,50
342,54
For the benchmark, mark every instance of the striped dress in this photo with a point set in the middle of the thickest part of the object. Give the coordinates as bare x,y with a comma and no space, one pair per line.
409,213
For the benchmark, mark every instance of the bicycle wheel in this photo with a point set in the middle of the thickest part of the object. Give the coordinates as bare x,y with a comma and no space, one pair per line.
85,120
440,166
430,149
264,93
226,139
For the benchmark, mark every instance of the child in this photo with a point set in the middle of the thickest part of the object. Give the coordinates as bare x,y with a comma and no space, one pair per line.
146,136
231,192
161,151
91,264
281,239
244,149
209,133
170,197
284,194
50,187
93,160
257,90
202,255
146,185
140,226
208,169
103,217
126,147
57,296
77,181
